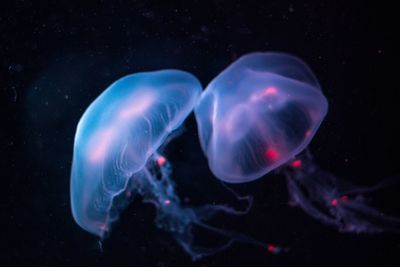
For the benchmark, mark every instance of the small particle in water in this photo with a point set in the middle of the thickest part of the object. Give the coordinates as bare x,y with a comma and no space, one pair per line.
15,68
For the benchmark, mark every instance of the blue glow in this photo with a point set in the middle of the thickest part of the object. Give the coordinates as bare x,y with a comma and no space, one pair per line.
118,134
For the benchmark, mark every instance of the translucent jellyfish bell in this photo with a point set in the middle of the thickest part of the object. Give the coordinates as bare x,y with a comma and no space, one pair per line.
257,114
116,136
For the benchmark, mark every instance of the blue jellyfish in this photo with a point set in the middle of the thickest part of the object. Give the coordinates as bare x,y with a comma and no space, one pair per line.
259,114
116,158
118,134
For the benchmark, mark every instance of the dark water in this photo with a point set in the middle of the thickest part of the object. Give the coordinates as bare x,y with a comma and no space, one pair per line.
55,58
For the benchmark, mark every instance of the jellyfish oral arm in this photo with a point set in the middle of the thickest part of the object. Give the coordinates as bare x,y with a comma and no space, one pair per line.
335,202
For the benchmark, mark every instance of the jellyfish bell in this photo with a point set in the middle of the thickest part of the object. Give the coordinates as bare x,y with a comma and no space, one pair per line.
117,135
257,114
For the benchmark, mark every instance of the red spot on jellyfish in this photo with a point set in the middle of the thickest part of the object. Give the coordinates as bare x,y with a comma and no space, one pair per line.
335,201
270,91
161,160
272,154
296,164
273,249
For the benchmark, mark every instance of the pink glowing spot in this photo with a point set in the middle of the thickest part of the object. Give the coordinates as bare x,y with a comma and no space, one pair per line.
137,106
272,154
167,202
307,133
100,145
342,199
272,249
161,160
270,91
296,164
128,194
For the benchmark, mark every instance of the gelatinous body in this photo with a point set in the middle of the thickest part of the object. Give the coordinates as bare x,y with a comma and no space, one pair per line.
117,135
261,112
257,114
116,159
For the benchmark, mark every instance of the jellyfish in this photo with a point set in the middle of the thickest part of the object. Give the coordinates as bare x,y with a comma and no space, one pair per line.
259,115
116,157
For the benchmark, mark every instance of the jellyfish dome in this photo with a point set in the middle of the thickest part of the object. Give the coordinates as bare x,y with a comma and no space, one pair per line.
118,133
257,114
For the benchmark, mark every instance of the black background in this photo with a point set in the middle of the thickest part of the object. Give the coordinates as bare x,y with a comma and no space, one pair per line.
57,56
